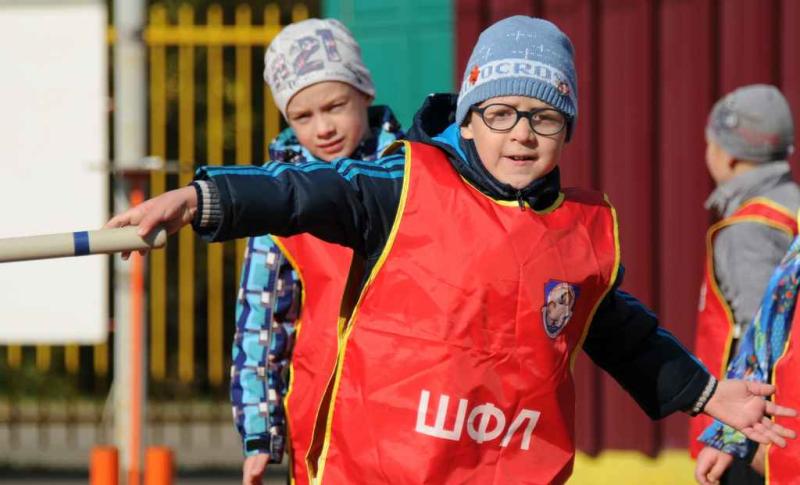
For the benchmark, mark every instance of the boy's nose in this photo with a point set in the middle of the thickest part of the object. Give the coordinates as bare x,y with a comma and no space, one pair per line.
325,128
522,131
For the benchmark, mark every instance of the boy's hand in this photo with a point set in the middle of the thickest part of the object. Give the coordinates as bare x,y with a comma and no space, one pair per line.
254,468
741,404
172,210
711,464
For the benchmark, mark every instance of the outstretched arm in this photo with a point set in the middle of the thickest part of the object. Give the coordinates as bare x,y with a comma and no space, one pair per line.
664,377
346,202
625,340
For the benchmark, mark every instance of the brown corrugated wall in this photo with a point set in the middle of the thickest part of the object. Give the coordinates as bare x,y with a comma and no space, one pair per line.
648,73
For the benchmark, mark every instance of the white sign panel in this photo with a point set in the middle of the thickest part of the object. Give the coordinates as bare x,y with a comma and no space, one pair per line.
53,138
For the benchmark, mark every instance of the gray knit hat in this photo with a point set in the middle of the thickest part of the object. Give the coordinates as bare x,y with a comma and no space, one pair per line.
521,56
753,123
310,52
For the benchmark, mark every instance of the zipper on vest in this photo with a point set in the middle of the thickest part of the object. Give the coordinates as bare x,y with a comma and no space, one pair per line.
520,200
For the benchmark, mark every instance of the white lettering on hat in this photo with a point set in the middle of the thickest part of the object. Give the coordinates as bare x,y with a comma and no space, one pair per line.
511,68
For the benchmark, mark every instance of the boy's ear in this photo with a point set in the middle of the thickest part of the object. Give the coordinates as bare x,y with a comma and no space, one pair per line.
730,160
466,129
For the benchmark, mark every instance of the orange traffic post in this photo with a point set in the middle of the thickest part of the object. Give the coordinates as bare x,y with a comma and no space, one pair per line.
104,466
158,466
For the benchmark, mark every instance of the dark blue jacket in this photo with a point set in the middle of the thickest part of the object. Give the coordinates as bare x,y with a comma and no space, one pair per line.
354,204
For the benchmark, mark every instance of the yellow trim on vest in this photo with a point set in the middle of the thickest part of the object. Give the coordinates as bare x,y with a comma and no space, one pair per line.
712,231
717,292
758,220
346,326
769,203
555,205
393,147
513,203
772,398
797,219
767,478
611,281
298,326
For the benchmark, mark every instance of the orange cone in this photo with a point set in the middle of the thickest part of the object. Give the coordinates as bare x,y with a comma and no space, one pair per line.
104,466
158,466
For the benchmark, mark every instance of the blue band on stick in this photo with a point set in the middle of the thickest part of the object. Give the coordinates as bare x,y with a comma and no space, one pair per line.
81,239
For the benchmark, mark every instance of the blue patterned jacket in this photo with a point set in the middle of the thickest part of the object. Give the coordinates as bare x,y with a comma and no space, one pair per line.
267,307
761,347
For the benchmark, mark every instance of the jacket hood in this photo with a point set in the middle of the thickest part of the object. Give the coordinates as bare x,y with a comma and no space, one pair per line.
434,124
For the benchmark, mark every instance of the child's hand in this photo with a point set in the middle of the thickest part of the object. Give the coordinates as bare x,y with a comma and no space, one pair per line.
172,210
741,404
711,464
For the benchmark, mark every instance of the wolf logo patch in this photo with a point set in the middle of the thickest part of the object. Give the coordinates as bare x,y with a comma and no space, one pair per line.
559,303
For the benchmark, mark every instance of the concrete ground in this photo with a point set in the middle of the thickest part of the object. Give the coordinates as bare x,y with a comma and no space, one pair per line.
212,478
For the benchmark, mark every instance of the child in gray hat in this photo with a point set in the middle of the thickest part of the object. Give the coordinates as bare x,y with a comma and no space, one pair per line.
483,277
750,135
323,90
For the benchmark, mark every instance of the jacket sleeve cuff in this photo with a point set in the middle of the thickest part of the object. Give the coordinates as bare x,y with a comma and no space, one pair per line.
728,440
209,212
708,391
271,445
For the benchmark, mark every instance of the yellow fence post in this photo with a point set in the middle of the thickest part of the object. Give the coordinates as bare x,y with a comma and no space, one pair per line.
44,356
244,109
158,185
215,254
272,117
14,356
299,12
100,353
72,358
186,156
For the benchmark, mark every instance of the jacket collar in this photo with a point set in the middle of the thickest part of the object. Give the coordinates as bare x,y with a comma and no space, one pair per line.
728,197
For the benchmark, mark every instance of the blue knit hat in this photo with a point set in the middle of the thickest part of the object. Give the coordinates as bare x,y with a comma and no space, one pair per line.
521,56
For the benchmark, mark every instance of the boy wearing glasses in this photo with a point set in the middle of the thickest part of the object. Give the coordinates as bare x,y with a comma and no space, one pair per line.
483,278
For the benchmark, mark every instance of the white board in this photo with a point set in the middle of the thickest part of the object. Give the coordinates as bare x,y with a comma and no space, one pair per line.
53,138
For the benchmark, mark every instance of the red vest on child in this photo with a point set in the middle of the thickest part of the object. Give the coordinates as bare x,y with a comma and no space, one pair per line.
783,464
323,269
455,366
715,323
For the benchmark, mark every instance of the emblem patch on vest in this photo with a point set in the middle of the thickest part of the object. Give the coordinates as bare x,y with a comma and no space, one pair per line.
559,303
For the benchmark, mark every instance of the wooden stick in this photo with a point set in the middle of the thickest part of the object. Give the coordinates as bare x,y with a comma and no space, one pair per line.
81,243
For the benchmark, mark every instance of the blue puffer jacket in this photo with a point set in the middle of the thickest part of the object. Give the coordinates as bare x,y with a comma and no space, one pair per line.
361,201
268,304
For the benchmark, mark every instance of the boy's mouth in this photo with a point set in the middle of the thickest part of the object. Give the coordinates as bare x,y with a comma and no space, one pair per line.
520,158
331,147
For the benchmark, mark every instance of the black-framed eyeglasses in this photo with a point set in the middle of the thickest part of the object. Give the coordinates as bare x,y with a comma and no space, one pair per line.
503,118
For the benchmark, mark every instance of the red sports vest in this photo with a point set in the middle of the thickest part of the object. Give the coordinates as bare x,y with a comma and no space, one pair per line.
323,269
715,323
455,366
783,464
